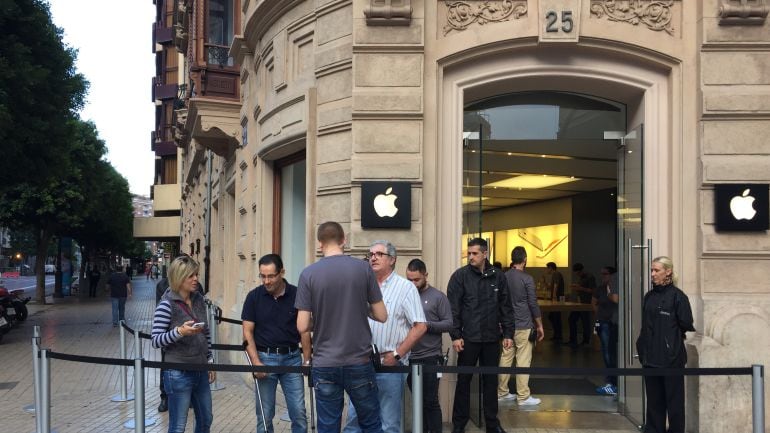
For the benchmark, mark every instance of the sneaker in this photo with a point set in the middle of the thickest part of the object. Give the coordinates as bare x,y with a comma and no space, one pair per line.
507,396
530,401
163,406
607,389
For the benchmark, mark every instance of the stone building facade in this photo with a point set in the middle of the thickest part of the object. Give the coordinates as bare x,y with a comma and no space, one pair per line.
321,96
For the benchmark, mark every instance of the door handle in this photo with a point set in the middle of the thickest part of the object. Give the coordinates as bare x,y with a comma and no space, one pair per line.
629,283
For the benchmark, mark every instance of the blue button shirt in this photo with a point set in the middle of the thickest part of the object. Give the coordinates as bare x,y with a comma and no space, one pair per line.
275,320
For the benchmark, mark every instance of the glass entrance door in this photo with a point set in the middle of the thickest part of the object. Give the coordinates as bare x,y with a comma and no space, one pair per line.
634,250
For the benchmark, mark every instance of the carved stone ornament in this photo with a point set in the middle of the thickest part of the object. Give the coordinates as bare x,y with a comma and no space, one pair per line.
655,14
743,12
461,14
388,12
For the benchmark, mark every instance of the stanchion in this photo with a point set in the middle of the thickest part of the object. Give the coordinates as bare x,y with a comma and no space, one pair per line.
758,398
123,396
31,408
210,310
417,398
139,422
45,393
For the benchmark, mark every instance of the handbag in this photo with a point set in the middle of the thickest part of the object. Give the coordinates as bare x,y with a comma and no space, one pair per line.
375,357
533,335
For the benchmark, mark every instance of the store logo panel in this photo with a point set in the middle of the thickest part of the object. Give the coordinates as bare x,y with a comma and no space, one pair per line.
742,207
386,205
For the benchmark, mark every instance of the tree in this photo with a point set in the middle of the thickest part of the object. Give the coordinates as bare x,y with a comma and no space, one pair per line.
40,93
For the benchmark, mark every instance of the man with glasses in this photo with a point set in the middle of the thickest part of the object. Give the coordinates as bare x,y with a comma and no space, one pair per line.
395,337
481,308
334,297
270,330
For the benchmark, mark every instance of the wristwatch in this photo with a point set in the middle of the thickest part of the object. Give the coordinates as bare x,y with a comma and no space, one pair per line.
396,356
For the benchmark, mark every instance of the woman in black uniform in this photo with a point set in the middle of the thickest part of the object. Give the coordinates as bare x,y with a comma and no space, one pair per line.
666,316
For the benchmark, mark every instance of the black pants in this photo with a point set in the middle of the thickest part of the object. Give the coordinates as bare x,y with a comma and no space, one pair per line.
585,317
431,408
92,287
665,394
555,318
487,355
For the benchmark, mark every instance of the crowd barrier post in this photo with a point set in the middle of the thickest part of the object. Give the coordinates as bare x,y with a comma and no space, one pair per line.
124,396
36,378
45,392
211,311
417,398
758,398
140,421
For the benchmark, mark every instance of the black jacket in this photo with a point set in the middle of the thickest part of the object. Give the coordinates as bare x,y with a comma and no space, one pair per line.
666,316
481,305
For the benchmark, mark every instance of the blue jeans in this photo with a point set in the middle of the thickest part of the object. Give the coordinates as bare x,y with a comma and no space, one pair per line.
118,310
360,384
293,390
188,389
391,396
608,336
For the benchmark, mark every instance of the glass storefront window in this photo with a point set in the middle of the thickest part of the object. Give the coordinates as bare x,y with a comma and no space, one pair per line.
292,237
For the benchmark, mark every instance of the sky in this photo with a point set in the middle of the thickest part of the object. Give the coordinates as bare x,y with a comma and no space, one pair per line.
114,43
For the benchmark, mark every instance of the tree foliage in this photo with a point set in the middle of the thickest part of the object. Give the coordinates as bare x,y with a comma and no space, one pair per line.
40,92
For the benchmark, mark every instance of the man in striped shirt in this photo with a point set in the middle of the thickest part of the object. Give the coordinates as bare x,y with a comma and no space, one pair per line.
395,337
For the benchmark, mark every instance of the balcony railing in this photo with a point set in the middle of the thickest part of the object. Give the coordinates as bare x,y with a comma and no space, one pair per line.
162,91
161,35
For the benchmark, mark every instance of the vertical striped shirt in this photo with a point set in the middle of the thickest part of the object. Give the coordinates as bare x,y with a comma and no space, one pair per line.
402,301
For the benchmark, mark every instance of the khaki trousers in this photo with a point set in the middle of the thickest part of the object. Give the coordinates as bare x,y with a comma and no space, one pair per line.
522,351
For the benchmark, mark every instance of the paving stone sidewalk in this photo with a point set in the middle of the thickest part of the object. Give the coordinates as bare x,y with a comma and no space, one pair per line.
81,393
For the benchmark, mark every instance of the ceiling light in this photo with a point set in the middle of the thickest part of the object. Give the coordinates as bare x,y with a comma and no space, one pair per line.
468,199
529,181
629,211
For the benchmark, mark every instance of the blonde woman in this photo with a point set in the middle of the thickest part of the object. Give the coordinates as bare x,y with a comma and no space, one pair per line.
179,329
666,316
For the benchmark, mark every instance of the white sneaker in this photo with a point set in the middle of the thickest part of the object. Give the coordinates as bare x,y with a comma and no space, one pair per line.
530,401
507,396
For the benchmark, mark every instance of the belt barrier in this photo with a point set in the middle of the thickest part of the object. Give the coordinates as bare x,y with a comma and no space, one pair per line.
43,389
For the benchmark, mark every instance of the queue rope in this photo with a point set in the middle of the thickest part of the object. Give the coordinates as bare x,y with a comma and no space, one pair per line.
550,371
213,346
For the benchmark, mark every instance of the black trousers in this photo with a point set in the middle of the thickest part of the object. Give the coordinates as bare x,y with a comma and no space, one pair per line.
585,317
92,287
555,318
487,355
431,408
665,395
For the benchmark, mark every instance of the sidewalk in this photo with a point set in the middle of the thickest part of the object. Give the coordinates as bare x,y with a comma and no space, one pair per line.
81,393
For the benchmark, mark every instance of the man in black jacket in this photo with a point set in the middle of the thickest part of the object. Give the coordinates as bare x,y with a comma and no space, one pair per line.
481,306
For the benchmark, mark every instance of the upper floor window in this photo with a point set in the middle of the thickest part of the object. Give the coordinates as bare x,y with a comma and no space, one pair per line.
220,32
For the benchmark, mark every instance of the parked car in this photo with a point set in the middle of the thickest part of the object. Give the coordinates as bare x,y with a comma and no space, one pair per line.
50,269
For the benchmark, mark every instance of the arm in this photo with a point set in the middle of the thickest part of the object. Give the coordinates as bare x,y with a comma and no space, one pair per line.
455,298
539,327
162,333
444,324
129,289
417,331
307,347
684,313
378,312
303,321
251,345
505,309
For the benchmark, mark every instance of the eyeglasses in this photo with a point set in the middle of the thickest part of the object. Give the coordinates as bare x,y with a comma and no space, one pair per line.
269,276
378,254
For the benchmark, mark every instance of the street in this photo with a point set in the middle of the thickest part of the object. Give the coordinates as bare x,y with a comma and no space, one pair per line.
28,283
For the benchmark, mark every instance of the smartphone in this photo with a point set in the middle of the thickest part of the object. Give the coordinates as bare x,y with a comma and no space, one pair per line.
197,325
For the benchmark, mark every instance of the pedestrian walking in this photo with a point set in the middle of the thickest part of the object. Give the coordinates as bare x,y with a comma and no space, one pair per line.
120,290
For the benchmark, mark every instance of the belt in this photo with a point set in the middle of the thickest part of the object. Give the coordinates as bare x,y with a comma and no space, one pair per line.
281,350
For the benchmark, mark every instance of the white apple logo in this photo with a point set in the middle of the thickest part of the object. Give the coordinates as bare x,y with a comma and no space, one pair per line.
385,204
742,206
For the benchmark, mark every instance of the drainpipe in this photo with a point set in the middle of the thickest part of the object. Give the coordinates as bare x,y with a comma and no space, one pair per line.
207,234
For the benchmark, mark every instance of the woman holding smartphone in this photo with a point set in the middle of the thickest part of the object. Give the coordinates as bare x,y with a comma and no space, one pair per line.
177,328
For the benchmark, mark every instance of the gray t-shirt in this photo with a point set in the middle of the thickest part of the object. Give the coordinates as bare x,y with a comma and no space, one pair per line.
338,290
438,316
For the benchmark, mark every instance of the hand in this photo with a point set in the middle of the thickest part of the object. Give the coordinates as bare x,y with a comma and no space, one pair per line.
258,374
187,329
306,363
540,333
389,359
458,345
507,343
212,376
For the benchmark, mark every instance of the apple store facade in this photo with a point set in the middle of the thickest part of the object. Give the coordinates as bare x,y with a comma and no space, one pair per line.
595,132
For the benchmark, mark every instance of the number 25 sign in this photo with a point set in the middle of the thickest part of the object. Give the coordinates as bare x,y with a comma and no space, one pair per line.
559,20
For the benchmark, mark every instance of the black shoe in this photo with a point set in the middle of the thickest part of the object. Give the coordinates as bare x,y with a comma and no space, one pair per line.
163,406
456,429
497,429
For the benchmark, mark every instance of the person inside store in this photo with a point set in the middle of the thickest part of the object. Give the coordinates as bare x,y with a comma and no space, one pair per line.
666,317
605,301
583,287
556,290
179,329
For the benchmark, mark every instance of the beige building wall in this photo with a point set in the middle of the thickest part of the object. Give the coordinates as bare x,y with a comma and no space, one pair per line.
374,90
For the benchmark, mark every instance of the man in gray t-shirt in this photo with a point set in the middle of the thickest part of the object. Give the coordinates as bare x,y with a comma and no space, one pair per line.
338,293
